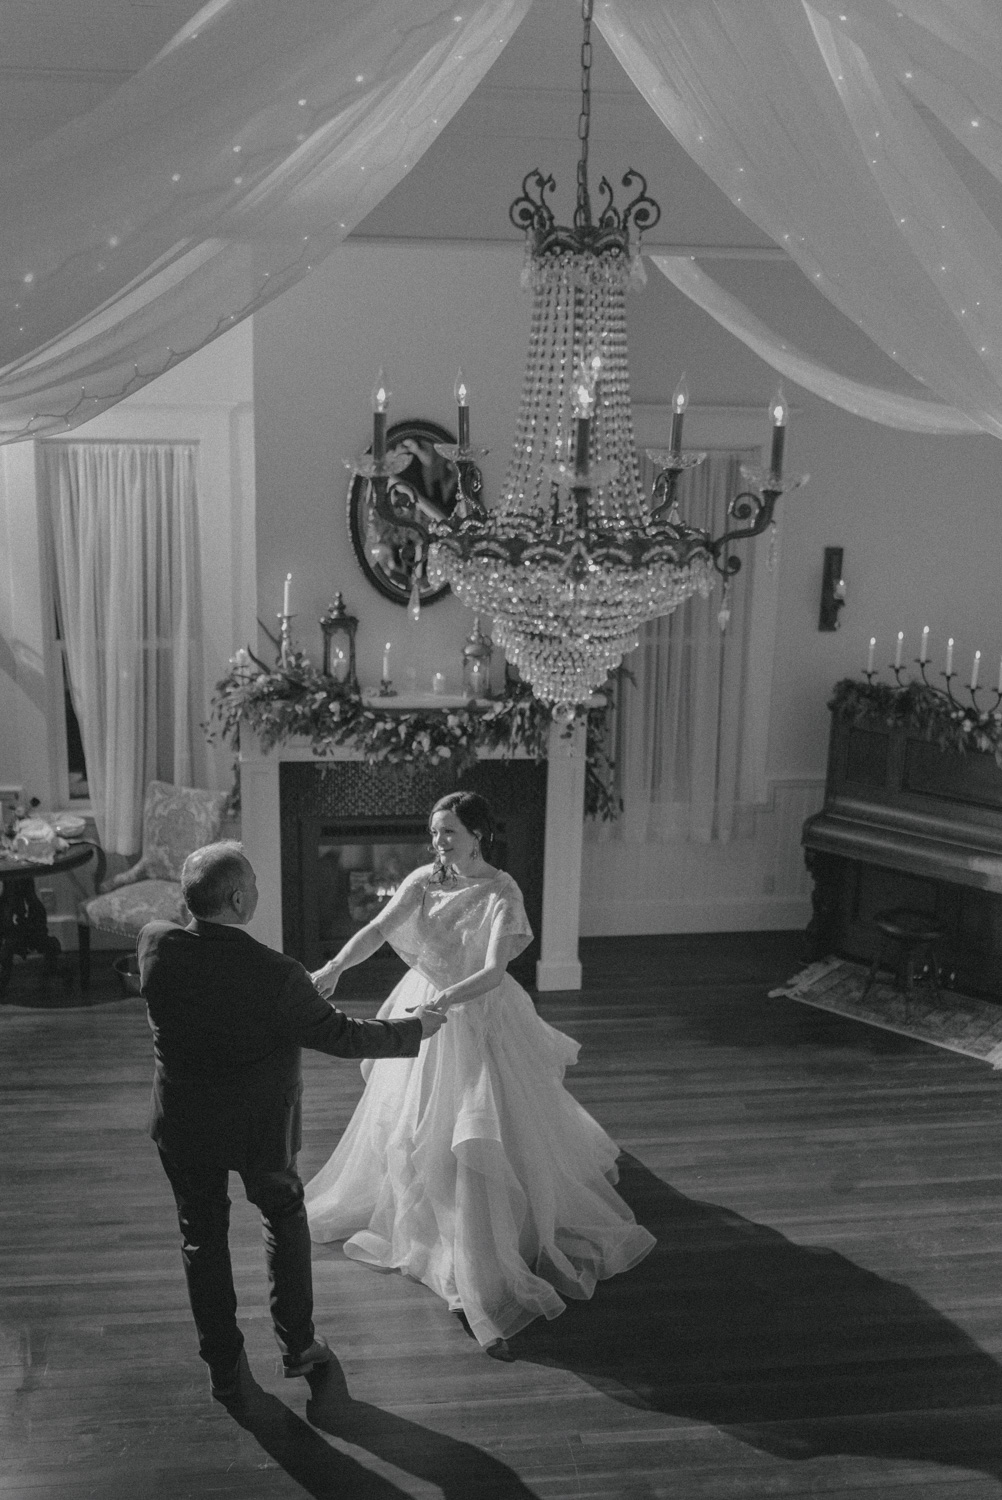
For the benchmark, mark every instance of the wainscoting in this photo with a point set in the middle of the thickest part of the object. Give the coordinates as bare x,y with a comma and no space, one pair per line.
757,883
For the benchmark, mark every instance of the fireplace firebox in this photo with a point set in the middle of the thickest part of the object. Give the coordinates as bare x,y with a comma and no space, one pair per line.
351,831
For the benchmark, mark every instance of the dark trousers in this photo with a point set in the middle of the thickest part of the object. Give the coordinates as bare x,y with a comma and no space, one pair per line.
203,1212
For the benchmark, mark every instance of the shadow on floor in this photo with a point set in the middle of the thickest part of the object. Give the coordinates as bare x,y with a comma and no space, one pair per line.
460,1470
792,1349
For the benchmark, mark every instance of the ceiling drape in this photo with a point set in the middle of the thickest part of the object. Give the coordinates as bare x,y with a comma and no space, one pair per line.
866,140
213,179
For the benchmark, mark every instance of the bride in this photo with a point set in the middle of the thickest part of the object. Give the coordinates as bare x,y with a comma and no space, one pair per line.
470,1167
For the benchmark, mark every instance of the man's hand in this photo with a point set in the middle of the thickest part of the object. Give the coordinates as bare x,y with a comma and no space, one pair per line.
326,979
431,1020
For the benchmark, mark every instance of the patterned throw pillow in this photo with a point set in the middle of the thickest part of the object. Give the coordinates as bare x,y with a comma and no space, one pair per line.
176,820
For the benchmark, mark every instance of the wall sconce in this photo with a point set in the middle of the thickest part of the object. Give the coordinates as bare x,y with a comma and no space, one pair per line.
832,589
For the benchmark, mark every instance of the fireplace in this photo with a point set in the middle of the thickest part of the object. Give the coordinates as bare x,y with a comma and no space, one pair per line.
351,831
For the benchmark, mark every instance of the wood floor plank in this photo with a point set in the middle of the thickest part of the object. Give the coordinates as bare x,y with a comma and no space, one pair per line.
821,1316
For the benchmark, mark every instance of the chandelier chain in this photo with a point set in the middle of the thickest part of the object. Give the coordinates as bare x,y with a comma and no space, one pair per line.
582,212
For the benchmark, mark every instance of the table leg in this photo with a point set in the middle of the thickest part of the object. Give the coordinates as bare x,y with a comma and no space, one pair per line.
24,927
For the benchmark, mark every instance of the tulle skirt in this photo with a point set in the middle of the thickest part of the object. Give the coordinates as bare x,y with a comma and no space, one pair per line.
473,1170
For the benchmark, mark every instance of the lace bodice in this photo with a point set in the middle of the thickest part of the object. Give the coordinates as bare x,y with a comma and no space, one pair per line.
443,931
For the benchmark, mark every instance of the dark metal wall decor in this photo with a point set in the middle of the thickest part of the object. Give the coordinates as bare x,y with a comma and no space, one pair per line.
426,487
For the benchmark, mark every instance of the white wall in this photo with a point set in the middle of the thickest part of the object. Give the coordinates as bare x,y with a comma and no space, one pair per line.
919,518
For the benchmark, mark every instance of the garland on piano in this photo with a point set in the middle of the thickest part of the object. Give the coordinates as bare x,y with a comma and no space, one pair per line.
922,710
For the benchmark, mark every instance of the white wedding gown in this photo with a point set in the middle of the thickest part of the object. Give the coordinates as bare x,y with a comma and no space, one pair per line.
470,1167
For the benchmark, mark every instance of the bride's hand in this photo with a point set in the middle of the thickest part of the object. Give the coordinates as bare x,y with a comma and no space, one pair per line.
326,979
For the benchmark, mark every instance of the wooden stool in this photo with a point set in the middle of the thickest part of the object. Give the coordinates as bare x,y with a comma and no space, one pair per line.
907,936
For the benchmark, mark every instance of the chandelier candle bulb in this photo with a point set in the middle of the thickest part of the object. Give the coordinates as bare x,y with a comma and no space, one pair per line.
679,402
778,411
287,595
898,648
949,657
380,401
869,655
975,669
463,407
924,652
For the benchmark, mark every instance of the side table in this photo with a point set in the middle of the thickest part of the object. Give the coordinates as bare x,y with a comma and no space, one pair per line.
24,926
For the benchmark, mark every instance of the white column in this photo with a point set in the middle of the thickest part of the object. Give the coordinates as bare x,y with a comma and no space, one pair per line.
260,832
559,967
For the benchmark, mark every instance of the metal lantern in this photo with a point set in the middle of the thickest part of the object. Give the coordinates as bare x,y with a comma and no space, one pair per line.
339,629
477,655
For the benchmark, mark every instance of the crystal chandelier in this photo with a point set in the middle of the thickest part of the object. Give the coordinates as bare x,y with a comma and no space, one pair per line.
573,560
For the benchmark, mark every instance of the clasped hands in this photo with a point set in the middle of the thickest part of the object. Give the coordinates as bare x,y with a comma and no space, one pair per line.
432,1017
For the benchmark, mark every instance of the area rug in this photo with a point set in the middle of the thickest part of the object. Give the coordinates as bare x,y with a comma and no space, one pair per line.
960,1023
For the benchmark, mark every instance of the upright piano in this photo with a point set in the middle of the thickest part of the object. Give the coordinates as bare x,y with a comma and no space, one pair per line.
905,823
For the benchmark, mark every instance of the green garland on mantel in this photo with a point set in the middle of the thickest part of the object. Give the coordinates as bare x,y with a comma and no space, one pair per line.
923,711
295,700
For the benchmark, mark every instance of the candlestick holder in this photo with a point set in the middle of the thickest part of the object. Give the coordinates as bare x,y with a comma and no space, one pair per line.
469,480
946,692
285,639
671,464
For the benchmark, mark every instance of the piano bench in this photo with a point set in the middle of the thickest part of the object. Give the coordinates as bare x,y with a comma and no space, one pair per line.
906,937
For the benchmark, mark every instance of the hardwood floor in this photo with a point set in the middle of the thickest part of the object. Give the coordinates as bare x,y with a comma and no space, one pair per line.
822,1315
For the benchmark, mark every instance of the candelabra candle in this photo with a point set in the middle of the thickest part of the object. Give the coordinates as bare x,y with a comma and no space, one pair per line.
975,669
779,412
924,653
869,656
287,595
380,401
386,662
1000,677
898,648
463,410
582,443
679,402
949,657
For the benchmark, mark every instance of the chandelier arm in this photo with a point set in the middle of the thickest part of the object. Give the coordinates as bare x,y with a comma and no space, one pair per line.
383,491
748,504
666,493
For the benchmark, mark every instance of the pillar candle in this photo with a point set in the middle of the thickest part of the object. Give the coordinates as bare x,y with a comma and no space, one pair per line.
287,595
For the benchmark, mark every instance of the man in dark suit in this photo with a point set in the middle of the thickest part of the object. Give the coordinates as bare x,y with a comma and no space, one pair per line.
229,1017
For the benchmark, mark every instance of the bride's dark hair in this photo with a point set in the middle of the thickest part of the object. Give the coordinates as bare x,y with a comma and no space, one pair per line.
474,812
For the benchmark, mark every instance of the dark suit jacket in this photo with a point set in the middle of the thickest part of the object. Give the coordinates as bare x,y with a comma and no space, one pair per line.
229,1017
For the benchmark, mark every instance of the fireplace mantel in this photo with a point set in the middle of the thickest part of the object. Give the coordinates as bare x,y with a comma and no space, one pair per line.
558,968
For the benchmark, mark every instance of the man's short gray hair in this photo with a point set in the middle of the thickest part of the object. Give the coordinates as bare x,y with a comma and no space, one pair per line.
211,875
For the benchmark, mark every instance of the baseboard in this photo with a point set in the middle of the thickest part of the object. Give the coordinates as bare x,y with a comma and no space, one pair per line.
646,918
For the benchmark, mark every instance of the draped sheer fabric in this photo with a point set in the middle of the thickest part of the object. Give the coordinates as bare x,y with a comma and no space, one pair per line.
813,118
681,713
121,521
211,181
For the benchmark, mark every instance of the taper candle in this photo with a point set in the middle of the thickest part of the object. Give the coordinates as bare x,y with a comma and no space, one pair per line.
898,647
380,401
679,402
924,653
386,662
778,412
287,595
1000,675
949,656
463,407
975,669
869,657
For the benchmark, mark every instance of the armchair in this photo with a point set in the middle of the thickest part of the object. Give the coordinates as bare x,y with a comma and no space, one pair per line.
176,820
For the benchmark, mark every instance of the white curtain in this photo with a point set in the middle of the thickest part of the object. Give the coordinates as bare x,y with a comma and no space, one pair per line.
123,532
866,140
216,177
681,722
